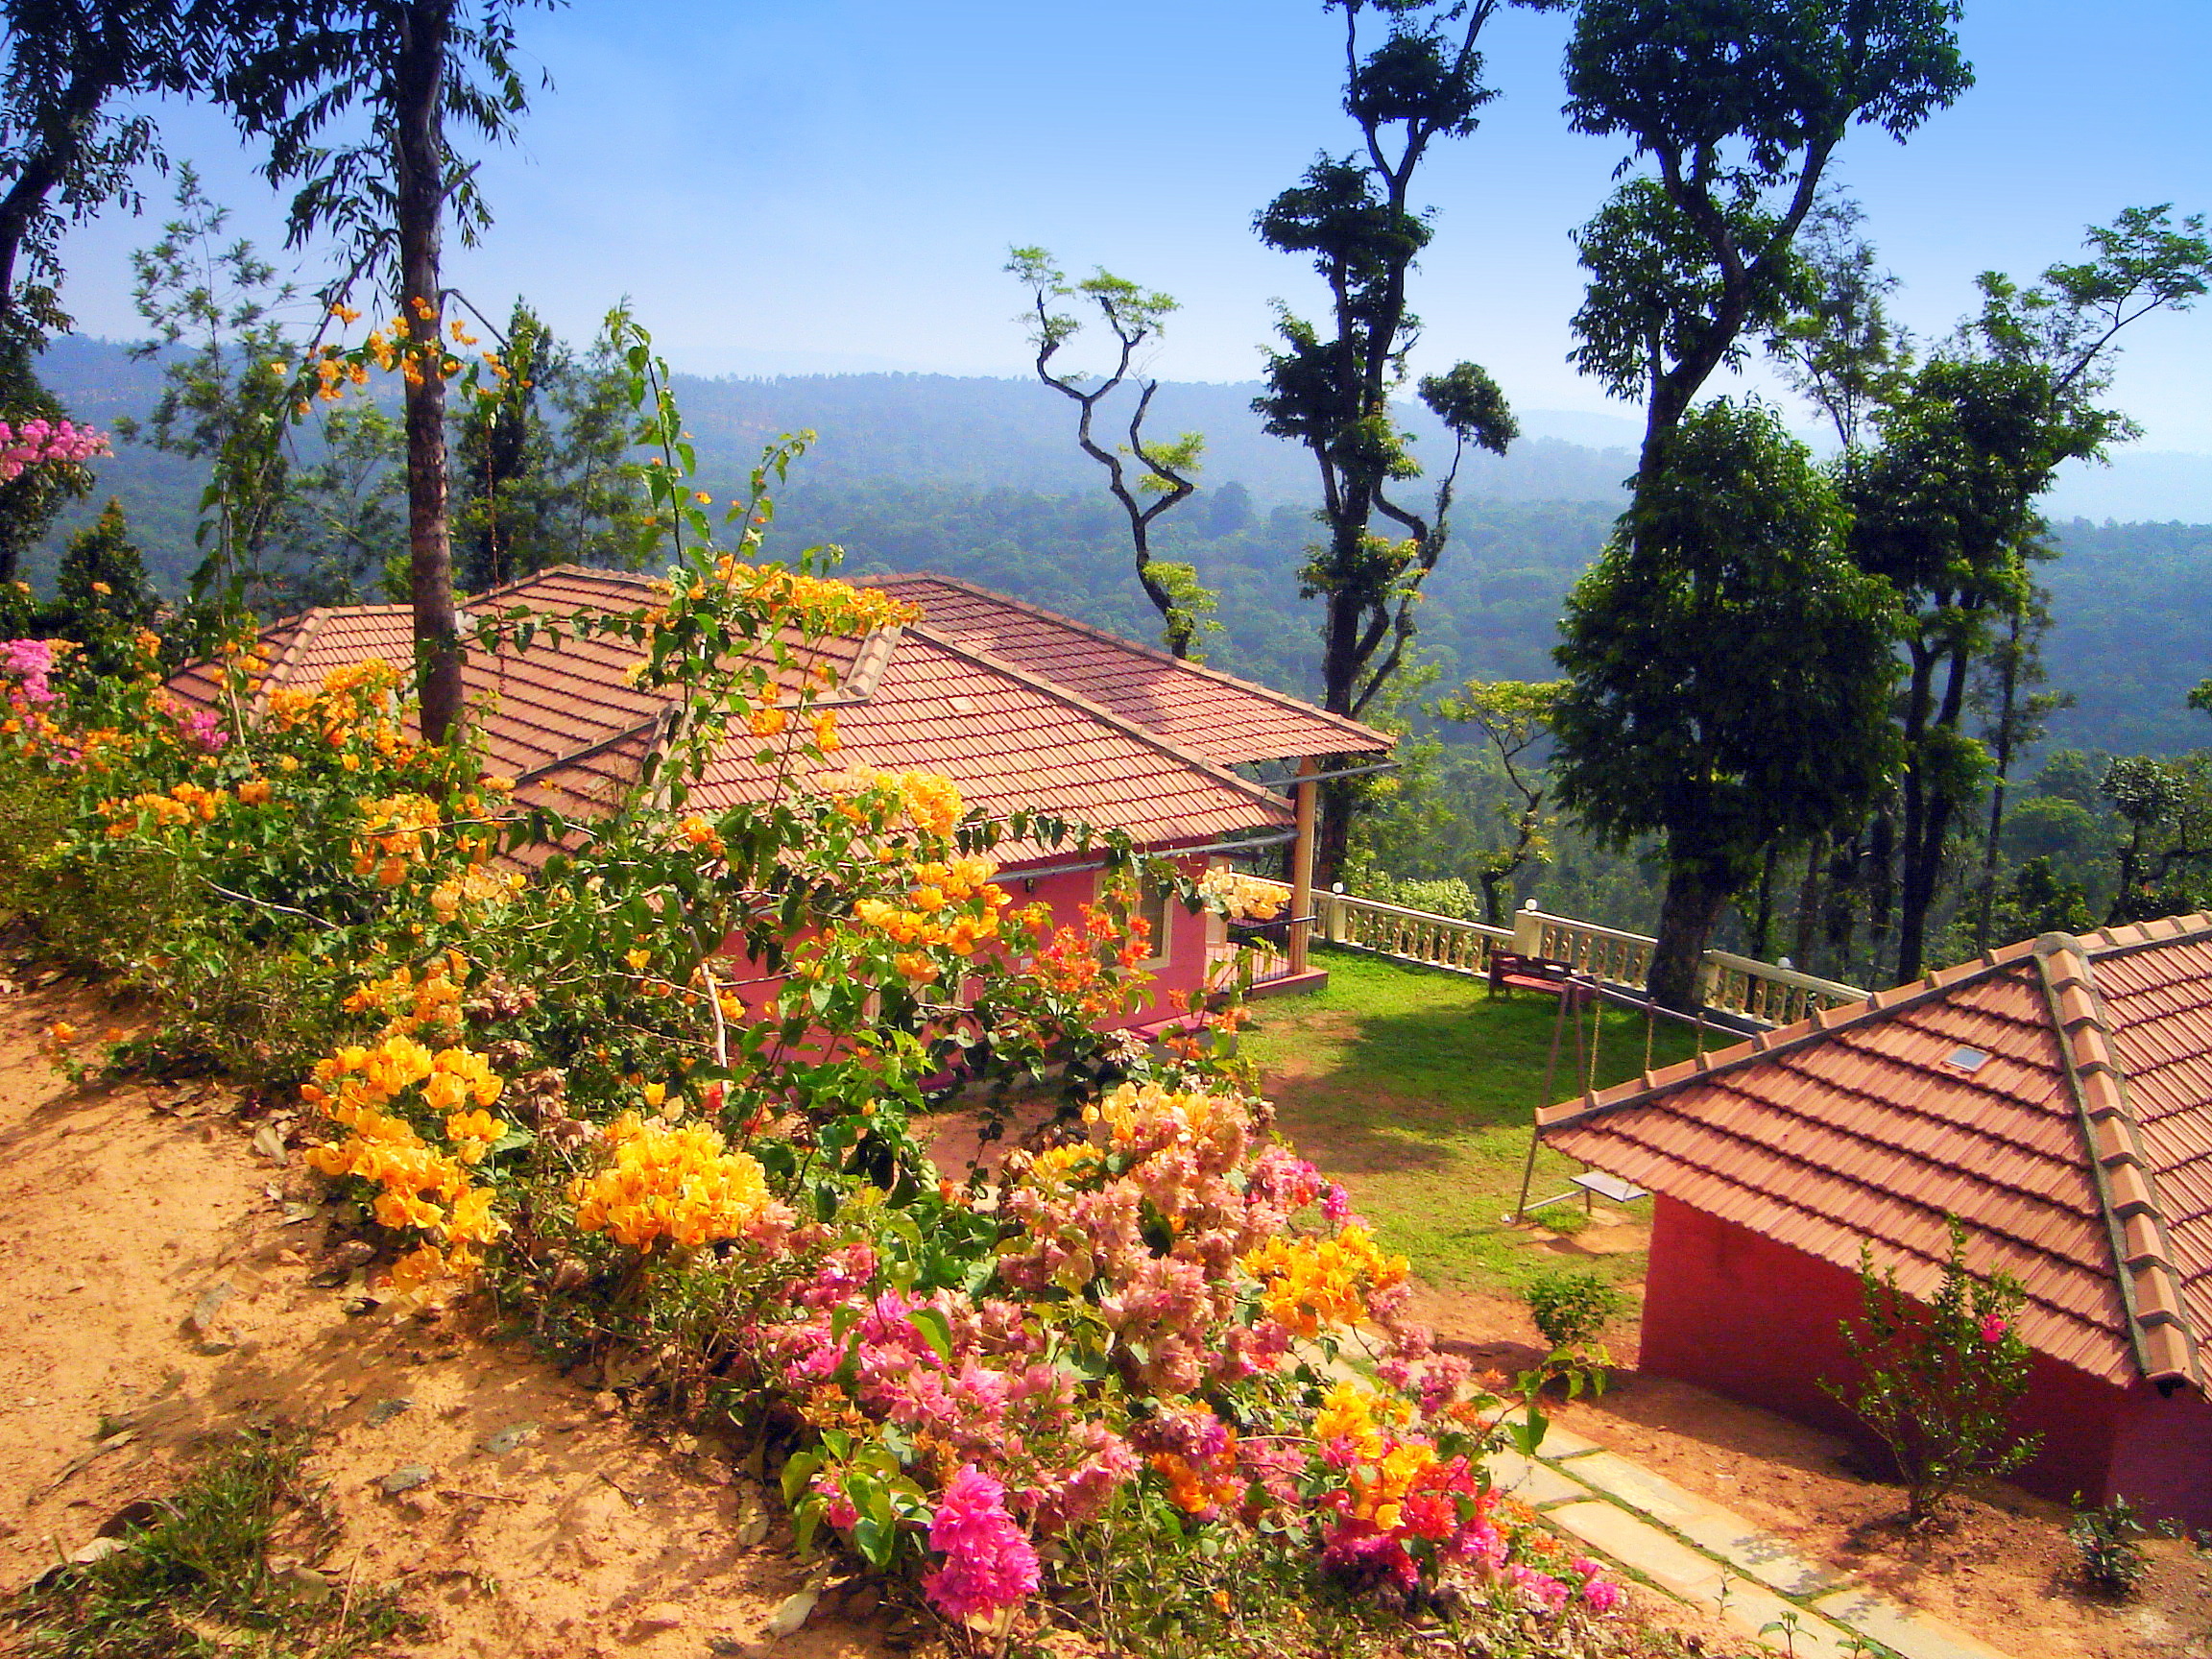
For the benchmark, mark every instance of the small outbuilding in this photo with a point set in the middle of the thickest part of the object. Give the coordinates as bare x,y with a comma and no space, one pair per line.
1020,707
2055,1095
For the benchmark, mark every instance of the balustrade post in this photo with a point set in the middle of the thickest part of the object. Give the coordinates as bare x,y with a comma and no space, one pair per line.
1302,863
1528,930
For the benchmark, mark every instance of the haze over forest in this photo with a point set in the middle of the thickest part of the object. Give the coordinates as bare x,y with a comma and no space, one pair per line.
979,477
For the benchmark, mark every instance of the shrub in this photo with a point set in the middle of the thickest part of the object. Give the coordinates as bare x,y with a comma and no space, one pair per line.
1160,1325
1571,1305
1938,1382
2111,1559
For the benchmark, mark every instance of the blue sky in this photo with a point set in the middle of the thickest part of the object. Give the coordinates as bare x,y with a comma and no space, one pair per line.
833,185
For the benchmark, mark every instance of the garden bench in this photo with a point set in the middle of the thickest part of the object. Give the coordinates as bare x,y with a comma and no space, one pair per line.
1592,1184
1510,971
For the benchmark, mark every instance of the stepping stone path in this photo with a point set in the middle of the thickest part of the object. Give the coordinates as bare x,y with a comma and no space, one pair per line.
1714,1559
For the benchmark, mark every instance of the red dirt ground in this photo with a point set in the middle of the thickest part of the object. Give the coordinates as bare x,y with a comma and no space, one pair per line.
2002,1570
124,1210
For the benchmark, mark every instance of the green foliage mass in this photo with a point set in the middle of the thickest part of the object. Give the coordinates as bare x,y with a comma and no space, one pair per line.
1937,1379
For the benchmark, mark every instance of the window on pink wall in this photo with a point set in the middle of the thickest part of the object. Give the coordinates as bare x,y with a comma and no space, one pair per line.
1153,905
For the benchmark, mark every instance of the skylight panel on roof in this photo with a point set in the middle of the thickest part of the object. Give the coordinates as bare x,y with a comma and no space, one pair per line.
1966,1059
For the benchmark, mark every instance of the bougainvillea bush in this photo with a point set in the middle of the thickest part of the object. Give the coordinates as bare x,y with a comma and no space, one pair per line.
1144,1376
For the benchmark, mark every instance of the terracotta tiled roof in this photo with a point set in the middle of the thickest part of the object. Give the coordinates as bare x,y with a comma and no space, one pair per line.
1010,740
563,721
2055,1095
1229,721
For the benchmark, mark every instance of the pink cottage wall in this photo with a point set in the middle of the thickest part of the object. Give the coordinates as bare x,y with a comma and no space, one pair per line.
1757,1321
1176,972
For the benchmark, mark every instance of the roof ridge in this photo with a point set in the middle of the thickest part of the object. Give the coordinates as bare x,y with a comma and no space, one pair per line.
594,571
1283,698
2131,936
311,619
870,658
2166,1345
594,747
1096,711
1788,1039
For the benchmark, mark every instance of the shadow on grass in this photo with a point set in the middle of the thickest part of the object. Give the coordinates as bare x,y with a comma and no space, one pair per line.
1401,1068
1420,1088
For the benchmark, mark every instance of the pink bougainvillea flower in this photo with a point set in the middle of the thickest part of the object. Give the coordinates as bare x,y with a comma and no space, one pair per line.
1993,1329
989,1564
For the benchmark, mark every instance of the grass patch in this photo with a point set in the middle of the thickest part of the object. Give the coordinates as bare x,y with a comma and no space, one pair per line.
1417,1089
224,1570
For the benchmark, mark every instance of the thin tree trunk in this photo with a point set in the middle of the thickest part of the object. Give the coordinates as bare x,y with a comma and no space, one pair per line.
1696,896
1881,890
2010,682
420,165
1806,942
1925,841
1764,920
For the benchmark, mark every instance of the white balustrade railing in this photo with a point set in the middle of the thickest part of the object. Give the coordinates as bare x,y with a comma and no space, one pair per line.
1770,995
1741,985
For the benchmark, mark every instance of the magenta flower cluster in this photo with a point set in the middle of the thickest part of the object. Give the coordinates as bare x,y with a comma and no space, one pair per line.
28,665
989,1564
39,440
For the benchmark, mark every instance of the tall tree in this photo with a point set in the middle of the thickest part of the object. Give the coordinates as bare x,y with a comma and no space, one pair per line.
1944,505
1515,717
101,594
226,400
1739,106
1729,671
1331,390
1133,316
601,501
411,66
343,520
1839,349
65,149
503,456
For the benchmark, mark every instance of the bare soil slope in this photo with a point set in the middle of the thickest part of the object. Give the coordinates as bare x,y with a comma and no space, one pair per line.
155,1269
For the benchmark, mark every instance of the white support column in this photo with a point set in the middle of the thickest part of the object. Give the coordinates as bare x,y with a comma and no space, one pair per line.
1302,864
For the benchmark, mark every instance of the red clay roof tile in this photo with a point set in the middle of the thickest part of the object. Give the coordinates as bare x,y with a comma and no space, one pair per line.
2079,1154
1134,741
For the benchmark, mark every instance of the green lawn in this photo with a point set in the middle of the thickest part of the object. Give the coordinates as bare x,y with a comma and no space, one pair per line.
1416,1089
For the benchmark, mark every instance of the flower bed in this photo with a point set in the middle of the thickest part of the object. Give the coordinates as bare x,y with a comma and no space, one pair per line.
1146,1359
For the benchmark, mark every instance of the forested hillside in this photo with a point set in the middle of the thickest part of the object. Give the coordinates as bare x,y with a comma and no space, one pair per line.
978,478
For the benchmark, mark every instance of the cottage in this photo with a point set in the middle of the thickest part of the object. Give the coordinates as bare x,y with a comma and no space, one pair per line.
1020,707
2055,1095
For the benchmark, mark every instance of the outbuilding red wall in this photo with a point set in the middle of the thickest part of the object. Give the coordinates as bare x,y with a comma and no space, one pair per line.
1758,1321
1176,972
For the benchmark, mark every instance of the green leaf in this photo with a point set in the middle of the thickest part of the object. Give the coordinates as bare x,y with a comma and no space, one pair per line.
935,1330
800,1470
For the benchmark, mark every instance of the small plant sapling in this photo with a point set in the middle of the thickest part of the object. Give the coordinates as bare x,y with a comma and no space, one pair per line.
1570,1305
2106,1536
1938,1382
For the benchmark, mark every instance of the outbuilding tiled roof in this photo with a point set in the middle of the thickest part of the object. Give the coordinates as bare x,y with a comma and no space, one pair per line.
2055,1095
1229,721
564,720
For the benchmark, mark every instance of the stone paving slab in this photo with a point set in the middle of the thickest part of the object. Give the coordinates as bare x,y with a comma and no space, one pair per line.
1901,1629
1639,1545
1532,1482
1758,1554
1639,1488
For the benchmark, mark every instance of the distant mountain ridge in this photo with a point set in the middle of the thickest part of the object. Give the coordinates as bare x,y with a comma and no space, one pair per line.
980,478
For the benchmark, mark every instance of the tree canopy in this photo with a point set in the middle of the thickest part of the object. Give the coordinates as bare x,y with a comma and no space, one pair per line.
1729,671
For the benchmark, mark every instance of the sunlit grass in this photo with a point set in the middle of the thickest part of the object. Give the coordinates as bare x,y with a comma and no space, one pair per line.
1417,1089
